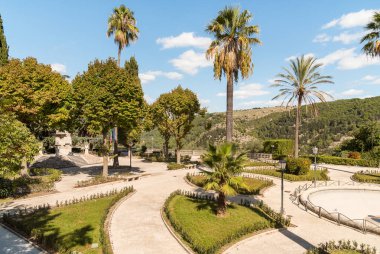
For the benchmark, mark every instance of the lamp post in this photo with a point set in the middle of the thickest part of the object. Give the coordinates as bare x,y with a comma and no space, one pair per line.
282,167
272,146
315,152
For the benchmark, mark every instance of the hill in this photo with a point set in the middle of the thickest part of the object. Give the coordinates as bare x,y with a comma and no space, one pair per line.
336,121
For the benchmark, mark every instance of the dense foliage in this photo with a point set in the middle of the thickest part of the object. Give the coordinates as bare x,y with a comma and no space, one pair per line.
279,147
3,45
17,143
298,166
345,161
368,176
342,247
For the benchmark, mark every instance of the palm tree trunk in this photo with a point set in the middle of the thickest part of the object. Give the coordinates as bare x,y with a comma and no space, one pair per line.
230,108
222,204
105,154
296,135
115,142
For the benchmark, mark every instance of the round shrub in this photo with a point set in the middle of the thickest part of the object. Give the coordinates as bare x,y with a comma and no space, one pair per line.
354,155
298,166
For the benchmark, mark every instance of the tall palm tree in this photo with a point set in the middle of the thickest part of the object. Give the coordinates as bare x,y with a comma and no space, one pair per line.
231,51
299,85
225,164
121,24
372,39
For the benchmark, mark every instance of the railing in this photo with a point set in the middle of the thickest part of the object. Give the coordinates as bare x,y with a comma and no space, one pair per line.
364,225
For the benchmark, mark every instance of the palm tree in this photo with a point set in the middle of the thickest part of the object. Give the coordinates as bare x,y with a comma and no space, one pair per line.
299,85
225,164
231,51
121,24
372,39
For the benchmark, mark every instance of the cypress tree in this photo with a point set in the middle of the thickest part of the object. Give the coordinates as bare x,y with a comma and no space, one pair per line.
3,45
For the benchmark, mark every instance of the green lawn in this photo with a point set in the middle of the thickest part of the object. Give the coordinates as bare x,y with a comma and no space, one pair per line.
258,164
73,227
367,177
207,233
254,184
321,175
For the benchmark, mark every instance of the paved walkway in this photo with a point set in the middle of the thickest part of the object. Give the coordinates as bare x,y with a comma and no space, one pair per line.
11,244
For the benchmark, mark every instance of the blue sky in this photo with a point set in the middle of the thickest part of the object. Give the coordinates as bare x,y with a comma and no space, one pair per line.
70,33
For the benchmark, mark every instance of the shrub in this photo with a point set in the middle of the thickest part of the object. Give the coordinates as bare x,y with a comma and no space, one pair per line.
298,166
282,147
354,155
175,166
372,176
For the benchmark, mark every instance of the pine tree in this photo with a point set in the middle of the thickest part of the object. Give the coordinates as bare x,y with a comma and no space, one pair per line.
3,45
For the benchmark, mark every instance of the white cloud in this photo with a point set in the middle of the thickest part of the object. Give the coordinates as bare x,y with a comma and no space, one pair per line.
148,99
184,40
348,59
190,62
294,57
321,38
352,92
352,19
372,79
246,91
204,102
347,38
271,103
152,75
57,67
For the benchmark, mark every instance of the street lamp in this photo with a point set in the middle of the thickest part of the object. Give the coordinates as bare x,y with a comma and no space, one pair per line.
282,167
272,146
315,152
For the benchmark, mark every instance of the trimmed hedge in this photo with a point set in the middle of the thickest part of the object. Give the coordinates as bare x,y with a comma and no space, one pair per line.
175,166
298,166
344,161
321,175
342,246
372,176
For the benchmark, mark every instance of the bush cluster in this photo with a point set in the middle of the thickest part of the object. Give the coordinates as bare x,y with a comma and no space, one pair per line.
97,180
342,245
297,166
345,161
281,147
320,176
354,155
368,176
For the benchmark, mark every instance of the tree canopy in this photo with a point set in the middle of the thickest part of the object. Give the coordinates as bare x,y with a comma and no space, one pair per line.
35,94
174,112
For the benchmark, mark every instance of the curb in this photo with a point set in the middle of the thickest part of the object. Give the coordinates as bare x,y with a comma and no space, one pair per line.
186,248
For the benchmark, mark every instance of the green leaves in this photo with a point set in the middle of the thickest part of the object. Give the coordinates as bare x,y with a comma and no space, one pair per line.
3,45
372,38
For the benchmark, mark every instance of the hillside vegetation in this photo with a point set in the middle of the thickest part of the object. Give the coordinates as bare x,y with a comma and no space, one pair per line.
337,120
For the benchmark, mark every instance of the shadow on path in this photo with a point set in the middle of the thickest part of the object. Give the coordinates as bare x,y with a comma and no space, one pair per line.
297,239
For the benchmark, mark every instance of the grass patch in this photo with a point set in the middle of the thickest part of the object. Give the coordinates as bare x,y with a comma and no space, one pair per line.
254,184
367,177
196,222
69,228
175,166
321,175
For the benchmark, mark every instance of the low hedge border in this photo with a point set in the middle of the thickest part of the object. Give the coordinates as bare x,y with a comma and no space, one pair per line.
365,176
344,161
290,177
277,219
342,245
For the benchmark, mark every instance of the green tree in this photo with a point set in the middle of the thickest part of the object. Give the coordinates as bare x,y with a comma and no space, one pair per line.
106,96
299,85
226,164
35,94
3,45
372,38
173,114
231,52
121,24
17,144
365,139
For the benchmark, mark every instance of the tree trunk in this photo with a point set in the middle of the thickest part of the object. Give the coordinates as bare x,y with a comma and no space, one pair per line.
105,155
178,154
115,148
166,147
130,156
296,135
230,108
222,204
24,167
118,56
